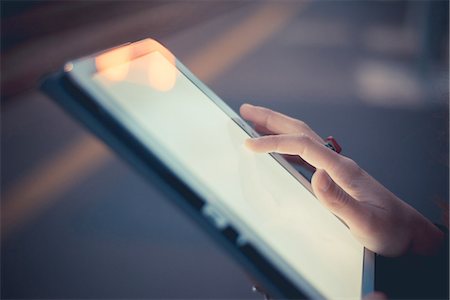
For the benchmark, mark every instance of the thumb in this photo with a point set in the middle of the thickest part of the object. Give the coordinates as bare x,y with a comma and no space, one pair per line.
334,198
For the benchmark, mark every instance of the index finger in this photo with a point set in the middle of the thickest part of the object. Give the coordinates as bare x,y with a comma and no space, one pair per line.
341,169
276,122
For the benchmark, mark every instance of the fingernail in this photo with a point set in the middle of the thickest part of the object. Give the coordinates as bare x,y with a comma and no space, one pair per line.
325,182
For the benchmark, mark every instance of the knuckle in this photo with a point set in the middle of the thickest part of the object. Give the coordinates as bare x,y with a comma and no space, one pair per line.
302,140
338,168
347,169
269,117
276,144
352,167
302,126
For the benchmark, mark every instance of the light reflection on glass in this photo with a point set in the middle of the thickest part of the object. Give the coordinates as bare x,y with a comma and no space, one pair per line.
161,75
119,58
115,66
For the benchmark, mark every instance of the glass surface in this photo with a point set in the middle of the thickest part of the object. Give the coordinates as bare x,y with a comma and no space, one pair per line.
163,107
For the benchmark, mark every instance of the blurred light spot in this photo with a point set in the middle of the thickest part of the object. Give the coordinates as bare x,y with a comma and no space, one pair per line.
383,84
68,67
115,63
151,70
161,75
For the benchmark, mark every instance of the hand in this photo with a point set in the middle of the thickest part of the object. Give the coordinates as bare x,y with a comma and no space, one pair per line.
375,216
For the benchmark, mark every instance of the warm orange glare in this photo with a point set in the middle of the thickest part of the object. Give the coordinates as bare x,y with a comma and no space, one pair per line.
114,64
161,74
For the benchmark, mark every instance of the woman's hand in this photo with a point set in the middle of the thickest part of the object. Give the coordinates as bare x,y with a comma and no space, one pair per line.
376,217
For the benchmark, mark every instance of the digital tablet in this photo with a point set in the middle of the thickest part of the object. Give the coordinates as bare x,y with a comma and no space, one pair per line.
158,116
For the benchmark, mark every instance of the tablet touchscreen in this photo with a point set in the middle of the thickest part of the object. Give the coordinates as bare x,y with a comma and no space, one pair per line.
190,133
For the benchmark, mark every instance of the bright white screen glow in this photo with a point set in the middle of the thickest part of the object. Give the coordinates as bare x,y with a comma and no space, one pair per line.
197,135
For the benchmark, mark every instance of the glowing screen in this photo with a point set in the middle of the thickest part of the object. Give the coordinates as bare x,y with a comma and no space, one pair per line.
171,113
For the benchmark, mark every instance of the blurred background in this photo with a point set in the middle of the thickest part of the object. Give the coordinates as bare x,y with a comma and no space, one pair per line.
76,222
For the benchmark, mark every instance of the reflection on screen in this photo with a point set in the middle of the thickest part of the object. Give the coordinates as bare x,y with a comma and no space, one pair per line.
199,136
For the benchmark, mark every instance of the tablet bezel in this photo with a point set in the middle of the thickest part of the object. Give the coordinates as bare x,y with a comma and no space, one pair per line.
79,73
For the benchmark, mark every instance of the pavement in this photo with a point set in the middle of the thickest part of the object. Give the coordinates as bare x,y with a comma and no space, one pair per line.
77,222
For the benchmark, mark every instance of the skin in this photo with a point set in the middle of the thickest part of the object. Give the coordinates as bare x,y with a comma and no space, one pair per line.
375,216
